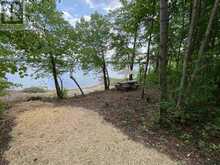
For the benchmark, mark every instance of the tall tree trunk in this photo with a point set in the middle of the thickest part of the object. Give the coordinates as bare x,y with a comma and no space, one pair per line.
147,62
133,53
55,77
157,64
204,41
105,78
188,52
178,58
108,78
164,23
140,71
105,74
61,84
72,77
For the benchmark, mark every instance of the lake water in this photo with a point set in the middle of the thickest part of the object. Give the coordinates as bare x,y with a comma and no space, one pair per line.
85,80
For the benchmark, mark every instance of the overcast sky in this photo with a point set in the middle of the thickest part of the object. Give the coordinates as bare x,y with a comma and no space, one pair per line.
74,9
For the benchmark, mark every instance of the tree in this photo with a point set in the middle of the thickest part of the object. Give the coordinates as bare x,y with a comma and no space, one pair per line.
164,22
147,61
205,39
93,45
126,36
188,52
47,43
72,77
9,62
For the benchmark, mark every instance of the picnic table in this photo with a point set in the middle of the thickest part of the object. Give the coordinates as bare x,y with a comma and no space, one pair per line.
127,85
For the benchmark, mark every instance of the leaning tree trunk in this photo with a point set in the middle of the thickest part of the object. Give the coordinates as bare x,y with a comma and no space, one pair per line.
72,77
55,77
133,54
188,53
204,42
164,23
157,61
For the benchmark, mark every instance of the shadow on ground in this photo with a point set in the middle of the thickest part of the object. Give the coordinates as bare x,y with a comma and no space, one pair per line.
6,125
129,113
135,117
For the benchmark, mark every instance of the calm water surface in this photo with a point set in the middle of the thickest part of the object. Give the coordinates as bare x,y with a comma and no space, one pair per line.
85,80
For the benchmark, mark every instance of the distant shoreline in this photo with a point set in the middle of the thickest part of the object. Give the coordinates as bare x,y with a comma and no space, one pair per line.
20,96
20,89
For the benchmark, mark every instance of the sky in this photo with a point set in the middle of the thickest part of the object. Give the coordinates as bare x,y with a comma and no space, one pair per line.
73,10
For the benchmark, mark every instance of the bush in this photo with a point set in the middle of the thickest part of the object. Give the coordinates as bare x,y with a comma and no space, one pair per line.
196,125
4,85
34,90
152,79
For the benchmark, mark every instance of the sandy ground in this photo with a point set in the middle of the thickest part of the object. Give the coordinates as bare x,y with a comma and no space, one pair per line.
73,133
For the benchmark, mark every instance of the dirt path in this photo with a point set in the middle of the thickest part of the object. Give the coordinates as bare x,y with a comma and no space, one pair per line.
72,134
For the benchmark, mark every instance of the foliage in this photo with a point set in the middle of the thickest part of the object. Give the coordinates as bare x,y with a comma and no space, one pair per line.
152,80
190,73
93,43
199,126
7,63
128,35
49,54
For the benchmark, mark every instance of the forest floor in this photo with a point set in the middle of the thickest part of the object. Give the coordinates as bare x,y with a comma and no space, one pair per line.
102,128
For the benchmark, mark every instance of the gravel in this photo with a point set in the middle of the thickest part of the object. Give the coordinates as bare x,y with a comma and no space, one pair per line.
50,134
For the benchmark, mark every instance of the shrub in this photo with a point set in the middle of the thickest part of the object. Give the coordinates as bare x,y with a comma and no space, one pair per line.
152,79
4,85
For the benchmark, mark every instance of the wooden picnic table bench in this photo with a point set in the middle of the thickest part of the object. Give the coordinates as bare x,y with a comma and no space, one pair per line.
127,85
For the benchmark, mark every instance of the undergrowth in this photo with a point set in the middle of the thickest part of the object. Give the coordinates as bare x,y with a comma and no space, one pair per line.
198,126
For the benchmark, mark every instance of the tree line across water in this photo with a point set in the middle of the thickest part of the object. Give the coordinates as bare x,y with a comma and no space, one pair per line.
180,39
